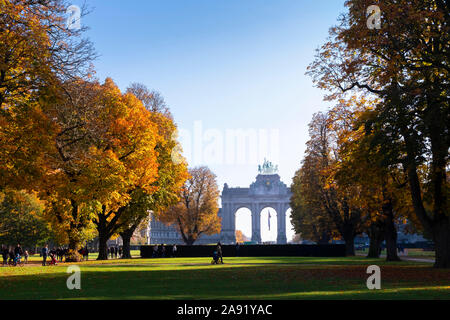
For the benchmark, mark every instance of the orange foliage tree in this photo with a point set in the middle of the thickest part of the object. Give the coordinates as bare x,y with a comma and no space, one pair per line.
404,64
103,147
172,170
197,211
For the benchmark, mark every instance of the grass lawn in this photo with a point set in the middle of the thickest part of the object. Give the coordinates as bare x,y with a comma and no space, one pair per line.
238,278
92,256
412,253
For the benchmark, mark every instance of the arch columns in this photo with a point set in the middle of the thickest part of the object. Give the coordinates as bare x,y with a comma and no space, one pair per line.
256,223
281,223
228,233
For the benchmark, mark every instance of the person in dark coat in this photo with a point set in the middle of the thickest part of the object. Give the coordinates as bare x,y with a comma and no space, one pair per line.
5,253
86,253
18,250
11,255
44,254
219,251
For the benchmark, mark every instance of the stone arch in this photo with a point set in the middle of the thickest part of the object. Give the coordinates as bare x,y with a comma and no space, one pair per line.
269,226
243,214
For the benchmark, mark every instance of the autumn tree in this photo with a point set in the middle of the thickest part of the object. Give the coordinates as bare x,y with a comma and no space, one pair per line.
103,145
324,198
21,219
134,143
25,138
308,214
172,169
197,211
375,186
153,101
37,49
405,65
240,236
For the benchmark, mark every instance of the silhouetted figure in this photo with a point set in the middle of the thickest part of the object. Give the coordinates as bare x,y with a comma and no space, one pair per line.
174,250
44,254
219,251
5,253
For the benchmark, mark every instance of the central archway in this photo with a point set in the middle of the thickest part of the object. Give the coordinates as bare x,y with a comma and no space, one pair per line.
269,225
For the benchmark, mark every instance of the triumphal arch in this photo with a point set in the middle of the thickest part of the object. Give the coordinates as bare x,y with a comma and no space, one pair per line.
267,191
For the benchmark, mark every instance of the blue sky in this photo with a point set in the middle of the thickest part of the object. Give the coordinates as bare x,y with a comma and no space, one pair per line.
235,64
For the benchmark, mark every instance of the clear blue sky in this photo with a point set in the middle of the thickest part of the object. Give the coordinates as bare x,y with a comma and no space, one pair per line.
234,64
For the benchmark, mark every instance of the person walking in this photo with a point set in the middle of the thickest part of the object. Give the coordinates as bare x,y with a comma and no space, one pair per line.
44,254
18,250
219,252
174,250
18,253
11,256
155,251
86,253
5,253
26,255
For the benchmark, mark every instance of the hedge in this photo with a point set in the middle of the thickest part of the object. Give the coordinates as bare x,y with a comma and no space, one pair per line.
254,250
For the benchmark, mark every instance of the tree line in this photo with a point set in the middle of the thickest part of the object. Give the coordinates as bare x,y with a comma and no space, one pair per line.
79,158
381,154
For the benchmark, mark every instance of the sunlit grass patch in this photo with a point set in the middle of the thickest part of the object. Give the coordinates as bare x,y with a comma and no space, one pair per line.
238,278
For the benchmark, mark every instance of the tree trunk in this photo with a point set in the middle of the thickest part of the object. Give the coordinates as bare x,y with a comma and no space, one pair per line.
189,241
104,233
72,254
102,246
126,239
376,236
349,238
325,238
441,237
74,239
349,246
391,233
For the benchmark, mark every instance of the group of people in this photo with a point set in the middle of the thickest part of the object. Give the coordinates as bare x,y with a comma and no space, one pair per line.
13,256
55,255
115,252
84,252
159,251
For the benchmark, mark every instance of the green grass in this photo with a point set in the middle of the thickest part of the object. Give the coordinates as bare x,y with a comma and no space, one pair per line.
412,253
92,256
238,278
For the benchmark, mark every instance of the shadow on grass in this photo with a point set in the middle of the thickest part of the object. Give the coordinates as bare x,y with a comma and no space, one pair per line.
136,281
